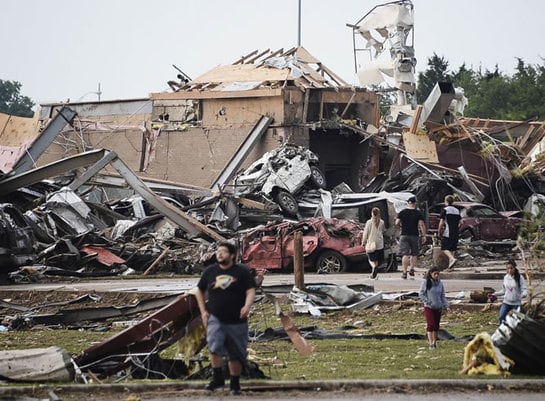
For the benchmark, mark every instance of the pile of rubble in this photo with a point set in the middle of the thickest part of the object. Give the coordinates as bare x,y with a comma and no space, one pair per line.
70,218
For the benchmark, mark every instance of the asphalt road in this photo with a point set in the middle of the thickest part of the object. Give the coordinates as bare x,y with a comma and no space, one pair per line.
455,281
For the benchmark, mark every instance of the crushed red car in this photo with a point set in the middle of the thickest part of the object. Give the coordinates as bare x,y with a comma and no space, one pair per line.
329,245
480,222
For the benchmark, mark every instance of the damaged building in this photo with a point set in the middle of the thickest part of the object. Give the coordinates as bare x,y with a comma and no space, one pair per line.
191,134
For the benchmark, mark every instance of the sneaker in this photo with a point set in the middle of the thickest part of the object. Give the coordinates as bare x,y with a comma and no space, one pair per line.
374,273
433,346
235,391
411,272
404,276
452,263
215,386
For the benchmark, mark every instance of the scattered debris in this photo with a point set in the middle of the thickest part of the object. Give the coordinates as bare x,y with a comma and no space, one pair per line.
318,298
51,364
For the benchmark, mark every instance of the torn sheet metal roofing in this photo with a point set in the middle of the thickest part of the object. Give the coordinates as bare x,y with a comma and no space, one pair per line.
522,339
266,68
153,334
104,256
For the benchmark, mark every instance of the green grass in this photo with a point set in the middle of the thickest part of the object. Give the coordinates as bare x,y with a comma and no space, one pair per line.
359,358
368,359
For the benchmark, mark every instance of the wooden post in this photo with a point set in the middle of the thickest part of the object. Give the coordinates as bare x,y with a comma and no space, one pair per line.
156,261
298,265
416,118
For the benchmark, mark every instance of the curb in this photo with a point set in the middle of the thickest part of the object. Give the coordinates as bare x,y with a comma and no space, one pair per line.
482,276
398,386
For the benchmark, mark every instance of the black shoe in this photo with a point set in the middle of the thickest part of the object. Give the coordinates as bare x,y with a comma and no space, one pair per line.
215,385
374,273
235,391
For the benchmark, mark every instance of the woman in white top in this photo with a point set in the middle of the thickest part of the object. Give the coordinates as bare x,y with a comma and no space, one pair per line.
513,290
373,240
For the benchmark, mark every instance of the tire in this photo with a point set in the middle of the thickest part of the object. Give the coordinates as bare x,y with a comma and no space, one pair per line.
330,262
287,202
317,178
391,263
467,236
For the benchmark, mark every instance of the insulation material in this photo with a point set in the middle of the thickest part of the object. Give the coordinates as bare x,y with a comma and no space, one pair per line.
387,28
387,18
372,73
285,62
481,356
241,86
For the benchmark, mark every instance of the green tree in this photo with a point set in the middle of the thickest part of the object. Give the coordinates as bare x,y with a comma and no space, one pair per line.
492,97
12,102
437,72
527,87
467,79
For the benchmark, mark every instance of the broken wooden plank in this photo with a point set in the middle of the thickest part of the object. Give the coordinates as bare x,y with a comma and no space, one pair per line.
416,119
156,261
242,58
252,60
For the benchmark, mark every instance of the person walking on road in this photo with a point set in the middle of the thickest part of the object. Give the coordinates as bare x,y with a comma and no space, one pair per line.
412,222
373,240
513,290
448,230
230,288
432,294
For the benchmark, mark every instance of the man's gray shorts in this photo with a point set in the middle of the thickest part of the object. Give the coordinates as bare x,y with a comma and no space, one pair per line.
227,338
409,245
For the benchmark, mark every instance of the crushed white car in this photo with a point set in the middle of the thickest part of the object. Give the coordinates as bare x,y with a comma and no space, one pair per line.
280,174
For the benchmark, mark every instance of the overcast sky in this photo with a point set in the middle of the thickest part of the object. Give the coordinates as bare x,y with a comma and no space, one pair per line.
62,49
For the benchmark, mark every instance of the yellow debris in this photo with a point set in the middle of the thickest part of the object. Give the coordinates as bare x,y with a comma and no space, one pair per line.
481,356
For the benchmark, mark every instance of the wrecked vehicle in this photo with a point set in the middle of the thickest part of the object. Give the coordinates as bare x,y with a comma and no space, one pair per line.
16,239
280,174
329,245
480,222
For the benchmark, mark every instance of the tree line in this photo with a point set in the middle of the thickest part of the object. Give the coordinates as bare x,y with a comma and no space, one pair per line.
490,94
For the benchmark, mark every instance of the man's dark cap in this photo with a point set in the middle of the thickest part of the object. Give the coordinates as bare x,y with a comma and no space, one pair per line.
412,199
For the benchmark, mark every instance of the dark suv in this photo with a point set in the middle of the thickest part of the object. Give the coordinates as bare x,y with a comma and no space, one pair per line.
16,239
